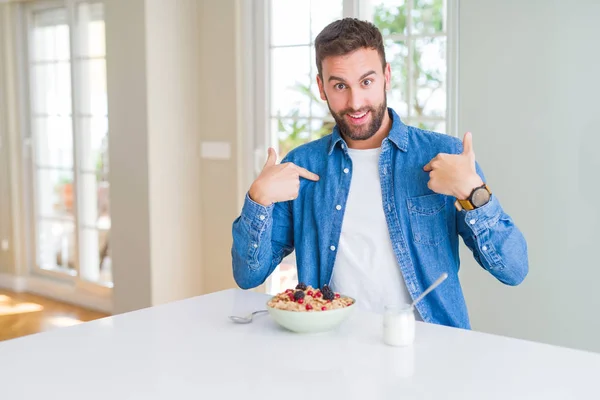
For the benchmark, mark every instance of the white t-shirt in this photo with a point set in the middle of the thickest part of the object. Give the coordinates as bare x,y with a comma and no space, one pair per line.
366,267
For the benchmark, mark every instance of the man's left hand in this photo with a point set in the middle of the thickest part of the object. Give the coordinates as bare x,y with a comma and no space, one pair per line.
454,174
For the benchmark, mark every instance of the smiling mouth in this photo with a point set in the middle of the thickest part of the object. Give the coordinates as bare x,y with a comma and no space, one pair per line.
357,118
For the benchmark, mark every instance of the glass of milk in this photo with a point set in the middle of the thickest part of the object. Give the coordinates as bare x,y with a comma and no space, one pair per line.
398,325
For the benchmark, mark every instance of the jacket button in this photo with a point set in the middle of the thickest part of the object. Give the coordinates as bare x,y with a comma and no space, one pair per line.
332,248
338,207
346,170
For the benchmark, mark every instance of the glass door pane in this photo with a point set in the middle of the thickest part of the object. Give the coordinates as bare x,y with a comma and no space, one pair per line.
56,246
91,113
52,133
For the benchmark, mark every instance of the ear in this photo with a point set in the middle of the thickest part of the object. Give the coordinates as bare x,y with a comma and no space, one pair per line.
321,88
388,76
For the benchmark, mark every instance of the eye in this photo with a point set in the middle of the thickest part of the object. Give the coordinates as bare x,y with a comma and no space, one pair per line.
340,86
367,82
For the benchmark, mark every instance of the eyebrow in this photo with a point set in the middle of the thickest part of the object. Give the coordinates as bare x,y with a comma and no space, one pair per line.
337,78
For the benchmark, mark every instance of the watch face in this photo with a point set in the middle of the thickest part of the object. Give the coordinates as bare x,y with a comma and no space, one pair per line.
480,197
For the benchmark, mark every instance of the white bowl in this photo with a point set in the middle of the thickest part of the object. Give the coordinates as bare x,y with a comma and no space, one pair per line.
311,321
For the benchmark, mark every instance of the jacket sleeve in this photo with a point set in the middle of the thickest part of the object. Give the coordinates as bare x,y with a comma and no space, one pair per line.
494,239
262,237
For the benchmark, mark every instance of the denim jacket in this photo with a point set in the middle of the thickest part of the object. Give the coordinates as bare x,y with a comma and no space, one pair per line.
424,226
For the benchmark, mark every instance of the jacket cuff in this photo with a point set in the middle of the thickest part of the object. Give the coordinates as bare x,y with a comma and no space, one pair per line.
484,217
256,215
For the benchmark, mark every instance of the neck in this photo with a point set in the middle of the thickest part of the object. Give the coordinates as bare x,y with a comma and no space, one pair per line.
374,141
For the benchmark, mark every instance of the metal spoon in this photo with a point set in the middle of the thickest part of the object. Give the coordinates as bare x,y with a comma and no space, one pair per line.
429,289
247,319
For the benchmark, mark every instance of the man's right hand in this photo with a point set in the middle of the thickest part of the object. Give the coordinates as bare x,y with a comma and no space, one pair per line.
278,182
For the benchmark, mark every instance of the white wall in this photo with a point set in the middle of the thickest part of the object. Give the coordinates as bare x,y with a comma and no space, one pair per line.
220,86
12,259
172,83
175,122
128,149
529,90
6,257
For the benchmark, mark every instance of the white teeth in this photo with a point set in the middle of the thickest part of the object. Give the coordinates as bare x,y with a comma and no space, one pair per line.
358,116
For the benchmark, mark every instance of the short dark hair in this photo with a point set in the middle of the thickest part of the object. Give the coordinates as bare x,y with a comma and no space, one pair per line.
346,35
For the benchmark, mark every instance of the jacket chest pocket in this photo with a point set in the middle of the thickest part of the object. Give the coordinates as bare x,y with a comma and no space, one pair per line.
428,218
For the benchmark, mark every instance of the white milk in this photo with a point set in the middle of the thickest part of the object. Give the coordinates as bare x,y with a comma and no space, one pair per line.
398,325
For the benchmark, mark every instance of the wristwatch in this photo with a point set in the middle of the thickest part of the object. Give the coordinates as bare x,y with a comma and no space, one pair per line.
479,197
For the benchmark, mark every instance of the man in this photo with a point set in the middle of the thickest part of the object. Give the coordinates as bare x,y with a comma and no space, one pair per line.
375,209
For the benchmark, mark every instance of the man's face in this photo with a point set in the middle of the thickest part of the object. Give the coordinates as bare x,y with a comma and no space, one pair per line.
354,87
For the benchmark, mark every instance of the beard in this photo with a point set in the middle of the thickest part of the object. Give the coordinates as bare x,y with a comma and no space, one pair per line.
362,132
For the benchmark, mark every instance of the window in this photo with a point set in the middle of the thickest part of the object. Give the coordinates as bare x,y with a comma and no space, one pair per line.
415,37
298,114
416,43
69,191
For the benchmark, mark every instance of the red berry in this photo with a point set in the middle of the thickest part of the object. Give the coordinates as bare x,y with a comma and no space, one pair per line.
329,301
289,291
310,293
291,296
337,295
300,301
308,306
323,308
318,294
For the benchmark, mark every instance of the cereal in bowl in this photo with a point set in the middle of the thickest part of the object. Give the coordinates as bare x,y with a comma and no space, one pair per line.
307,298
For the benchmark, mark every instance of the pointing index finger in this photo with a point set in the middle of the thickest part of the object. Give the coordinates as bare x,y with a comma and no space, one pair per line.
307,174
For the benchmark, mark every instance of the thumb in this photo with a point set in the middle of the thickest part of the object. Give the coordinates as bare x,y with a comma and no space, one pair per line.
272,159
468,144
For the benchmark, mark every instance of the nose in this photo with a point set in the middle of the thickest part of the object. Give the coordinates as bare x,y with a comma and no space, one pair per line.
355,101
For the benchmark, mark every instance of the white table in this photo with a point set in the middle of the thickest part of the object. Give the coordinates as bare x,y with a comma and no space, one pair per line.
190,350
